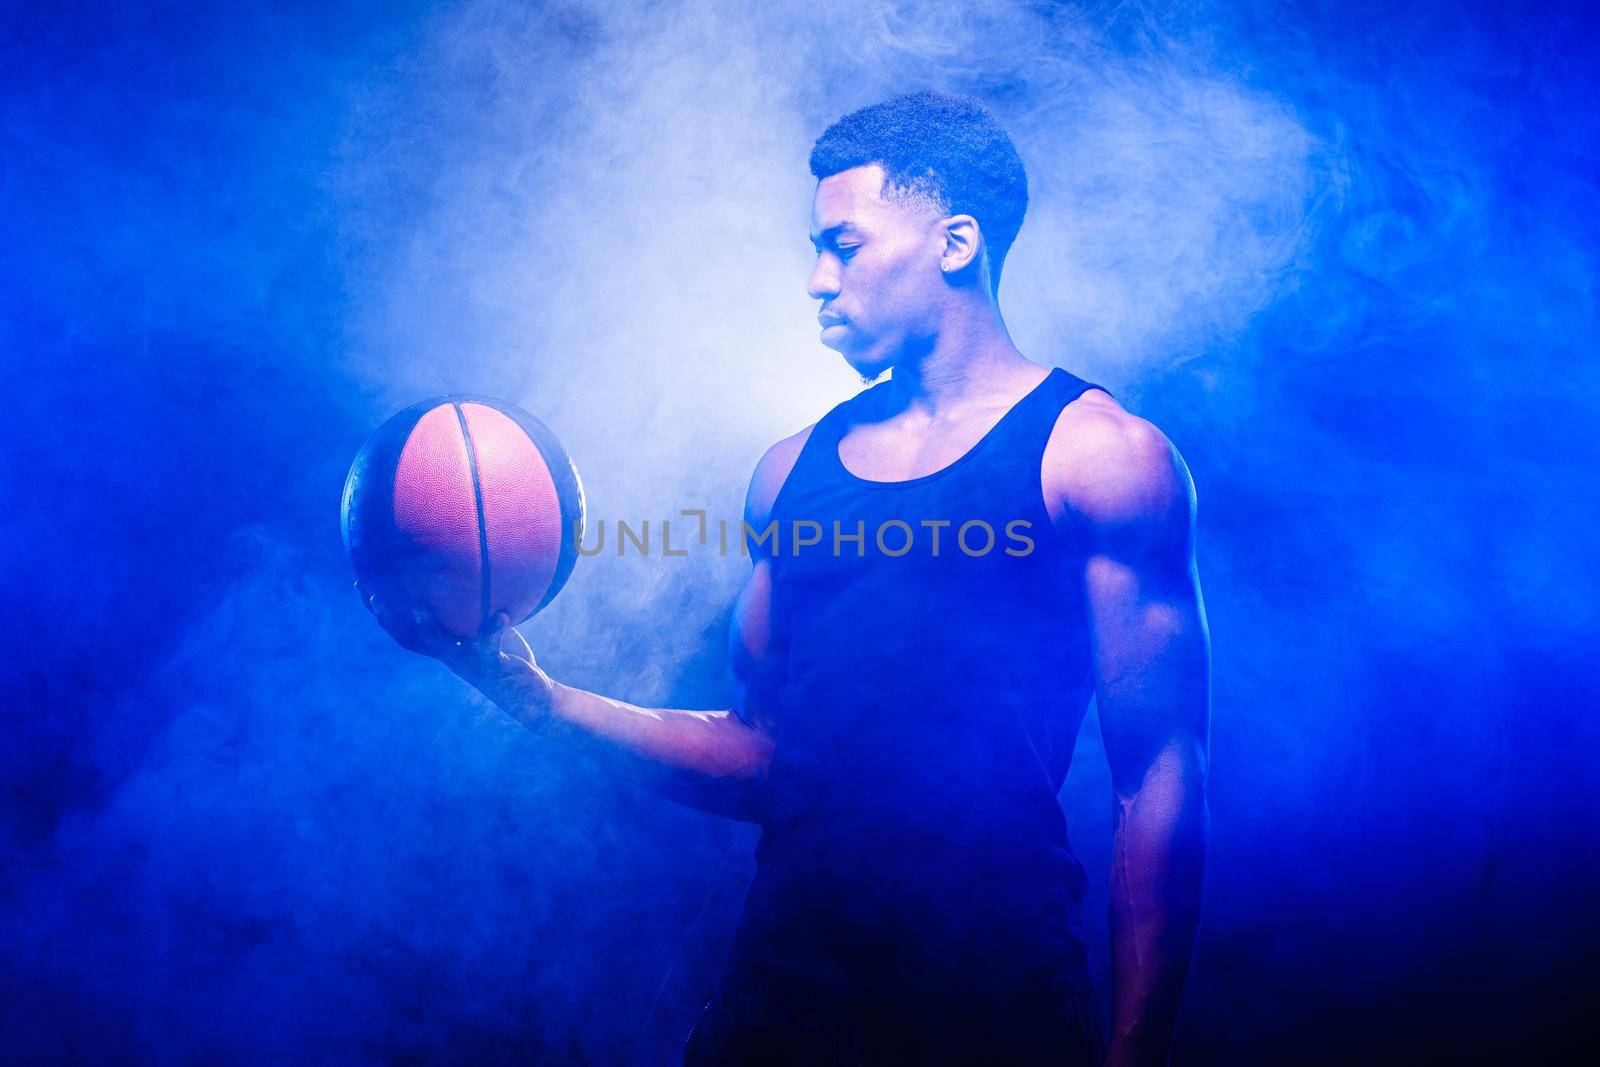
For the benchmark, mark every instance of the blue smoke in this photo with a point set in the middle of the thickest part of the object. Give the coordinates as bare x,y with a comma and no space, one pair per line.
1343,254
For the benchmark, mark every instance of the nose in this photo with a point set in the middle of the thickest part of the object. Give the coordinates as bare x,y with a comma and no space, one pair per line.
824,283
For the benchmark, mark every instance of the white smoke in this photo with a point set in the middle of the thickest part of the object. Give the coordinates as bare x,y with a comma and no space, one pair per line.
612,216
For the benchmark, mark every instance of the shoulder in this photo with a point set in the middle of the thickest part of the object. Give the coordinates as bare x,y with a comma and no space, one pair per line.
772,470
1108,473
775,465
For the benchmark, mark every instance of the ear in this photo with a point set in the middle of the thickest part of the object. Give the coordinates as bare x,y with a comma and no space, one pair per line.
963,244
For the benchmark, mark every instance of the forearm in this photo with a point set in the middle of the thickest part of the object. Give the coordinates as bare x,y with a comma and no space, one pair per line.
708,760
1157,881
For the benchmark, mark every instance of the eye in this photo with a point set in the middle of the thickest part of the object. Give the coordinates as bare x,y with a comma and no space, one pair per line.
846,251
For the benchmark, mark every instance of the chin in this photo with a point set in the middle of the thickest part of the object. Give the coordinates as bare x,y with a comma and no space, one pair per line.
869,372
869,369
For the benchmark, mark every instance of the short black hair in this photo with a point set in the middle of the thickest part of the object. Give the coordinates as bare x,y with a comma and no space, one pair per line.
948,149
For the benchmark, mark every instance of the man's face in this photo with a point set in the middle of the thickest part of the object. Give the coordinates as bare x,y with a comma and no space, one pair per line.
877,271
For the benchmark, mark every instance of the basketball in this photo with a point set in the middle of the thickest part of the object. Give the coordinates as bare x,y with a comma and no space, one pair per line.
464,507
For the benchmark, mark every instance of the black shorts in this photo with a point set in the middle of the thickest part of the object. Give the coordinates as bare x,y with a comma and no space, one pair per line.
755,1020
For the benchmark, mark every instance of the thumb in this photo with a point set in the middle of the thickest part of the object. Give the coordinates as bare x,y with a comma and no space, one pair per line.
510,642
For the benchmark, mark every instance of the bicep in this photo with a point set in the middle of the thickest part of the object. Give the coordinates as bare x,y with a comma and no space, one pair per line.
1148,628
1150,659
757,647
755,651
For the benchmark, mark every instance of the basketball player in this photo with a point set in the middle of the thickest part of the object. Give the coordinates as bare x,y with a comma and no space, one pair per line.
904,704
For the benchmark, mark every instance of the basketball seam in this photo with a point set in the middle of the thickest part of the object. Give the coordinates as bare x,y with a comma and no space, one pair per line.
477,500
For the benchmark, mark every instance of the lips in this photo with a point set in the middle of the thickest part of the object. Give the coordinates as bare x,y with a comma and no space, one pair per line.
828,319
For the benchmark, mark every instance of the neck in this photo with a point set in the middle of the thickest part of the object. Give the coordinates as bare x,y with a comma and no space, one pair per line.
970,361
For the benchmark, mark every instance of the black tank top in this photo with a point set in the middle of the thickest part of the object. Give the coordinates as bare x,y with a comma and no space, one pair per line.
938,669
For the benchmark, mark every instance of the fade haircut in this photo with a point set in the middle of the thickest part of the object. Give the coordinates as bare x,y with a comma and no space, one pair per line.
946,150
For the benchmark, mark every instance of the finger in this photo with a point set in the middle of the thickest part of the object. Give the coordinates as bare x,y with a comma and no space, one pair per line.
515,646
465,655
372,602
397,623
502,632
492,638
385,615
430,633
494,628
491,634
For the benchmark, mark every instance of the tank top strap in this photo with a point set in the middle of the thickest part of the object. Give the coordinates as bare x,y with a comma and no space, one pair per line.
831,427
1021,437
813,465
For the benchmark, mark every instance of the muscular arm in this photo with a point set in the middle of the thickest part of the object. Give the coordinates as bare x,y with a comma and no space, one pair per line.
1131,499
714,760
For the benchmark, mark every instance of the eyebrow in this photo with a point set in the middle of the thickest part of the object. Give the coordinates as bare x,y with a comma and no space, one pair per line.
832,233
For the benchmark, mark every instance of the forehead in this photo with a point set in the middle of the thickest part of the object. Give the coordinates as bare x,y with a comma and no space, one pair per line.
851,196
842,192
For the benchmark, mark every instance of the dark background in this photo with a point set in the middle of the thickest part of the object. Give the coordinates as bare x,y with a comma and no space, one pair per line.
1344,254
